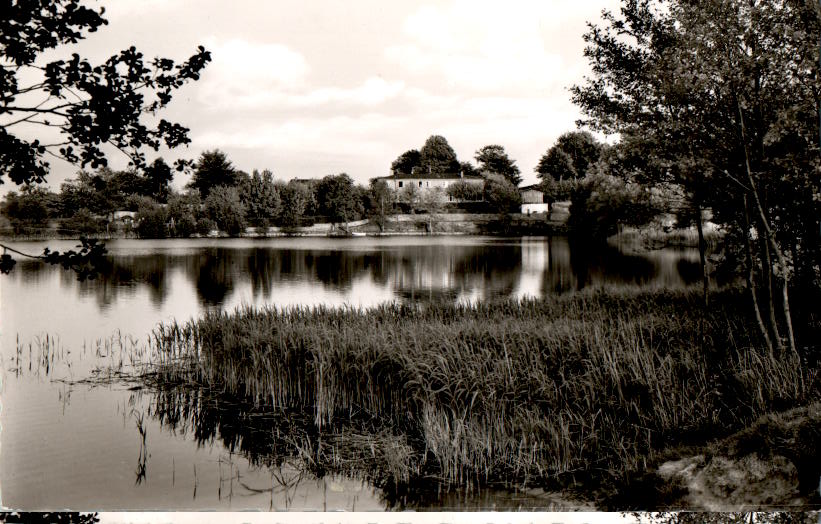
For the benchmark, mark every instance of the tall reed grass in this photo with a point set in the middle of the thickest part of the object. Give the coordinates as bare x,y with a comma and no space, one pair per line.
503,389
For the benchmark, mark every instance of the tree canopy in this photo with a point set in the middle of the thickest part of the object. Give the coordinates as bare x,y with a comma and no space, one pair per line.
437,157
405,162
213,169
79,110
494,159
722,96
90,108
570,157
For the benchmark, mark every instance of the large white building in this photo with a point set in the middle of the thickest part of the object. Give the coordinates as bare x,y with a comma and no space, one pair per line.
427,181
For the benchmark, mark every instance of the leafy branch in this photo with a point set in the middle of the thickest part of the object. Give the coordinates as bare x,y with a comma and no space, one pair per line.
86,262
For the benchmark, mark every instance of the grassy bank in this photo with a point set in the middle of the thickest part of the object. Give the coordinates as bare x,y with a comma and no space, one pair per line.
585,386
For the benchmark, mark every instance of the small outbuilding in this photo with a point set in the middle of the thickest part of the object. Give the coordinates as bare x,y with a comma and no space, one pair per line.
533,200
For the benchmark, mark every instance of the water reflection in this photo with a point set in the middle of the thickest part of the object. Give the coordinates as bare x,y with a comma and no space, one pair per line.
467,268
287,444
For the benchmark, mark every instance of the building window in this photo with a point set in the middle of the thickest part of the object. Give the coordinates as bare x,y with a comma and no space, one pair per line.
427,184
420,183
400,183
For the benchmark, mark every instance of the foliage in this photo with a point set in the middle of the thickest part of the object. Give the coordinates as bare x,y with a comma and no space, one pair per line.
297,201
406,162
92,106
556,165
151,219
86,191
261,198
409,195
378,200
213,169
27,211
224,206
205,225
735,517
86,262
337,198
82,222
438,158
502,195
62,517
465,191
157,177
557,191
723,97
599,204
468,169
570,157
494,159
183,211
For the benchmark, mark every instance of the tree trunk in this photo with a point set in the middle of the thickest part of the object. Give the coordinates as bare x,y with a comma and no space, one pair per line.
702,256
769,234
767,275
751,280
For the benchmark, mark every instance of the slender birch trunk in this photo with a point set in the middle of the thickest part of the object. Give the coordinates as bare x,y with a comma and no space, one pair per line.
770,235
751,279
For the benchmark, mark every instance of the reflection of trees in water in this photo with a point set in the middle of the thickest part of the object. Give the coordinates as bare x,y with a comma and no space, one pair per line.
412,272
214,272
441,272
606,264
558,275
276,439
122,276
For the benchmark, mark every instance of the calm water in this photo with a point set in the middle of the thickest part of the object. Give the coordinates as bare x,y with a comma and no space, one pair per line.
107,447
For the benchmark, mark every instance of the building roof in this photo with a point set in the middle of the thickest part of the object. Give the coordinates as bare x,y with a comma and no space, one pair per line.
431,176
532,187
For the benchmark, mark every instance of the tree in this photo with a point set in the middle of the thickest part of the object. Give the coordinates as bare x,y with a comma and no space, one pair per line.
151,219
27,211
570,157
437,157
409,195
724,96
556,165
183,213
261,198
502,195
224,206
379,201
468,169
157,177
213,169
337,199
433,201
297,200
405,162
465,191
494,159
92,106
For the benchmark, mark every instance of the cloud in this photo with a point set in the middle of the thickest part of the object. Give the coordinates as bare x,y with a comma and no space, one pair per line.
242,72
489,46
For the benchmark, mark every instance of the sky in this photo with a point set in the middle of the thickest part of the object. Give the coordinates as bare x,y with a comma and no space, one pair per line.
311,88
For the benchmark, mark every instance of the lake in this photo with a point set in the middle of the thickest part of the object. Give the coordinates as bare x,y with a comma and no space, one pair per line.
109,445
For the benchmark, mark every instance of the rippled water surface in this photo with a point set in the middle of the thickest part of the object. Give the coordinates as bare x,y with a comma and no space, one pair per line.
108,445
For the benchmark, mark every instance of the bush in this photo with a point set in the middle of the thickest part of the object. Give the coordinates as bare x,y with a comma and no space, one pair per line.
82,222
225,207
151,221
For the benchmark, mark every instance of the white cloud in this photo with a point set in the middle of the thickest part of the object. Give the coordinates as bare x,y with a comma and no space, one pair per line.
486,45
242,72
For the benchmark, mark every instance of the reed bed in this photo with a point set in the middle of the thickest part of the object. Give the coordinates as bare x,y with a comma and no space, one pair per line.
502,389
